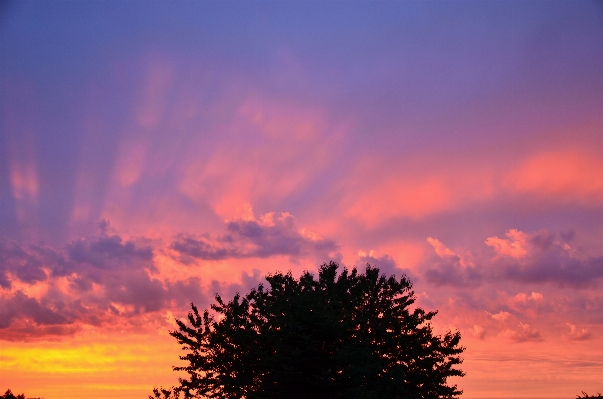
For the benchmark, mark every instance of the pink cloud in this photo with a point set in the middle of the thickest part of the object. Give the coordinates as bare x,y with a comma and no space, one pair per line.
440,249
477,331
436,183
582,334
575,175
416,197
500,316
523,333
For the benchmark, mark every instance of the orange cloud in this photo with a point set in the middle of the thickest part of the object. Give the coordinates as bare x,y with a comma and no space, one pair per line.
514,246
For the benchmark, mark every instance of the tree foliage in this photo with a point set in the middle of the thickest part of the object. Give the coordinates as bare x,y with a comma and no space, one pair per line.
587,396
10,395
346,335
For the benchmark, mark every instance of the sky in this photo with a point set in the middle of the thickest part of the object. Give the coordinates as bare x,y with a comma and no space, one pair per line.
153,154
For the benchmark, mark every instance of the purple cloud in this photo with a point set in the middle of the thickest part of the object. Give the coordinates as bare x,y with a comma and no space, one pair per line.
26,266
547,259
117,267
447,268
387,265
536,258
21,305
106,277
270,236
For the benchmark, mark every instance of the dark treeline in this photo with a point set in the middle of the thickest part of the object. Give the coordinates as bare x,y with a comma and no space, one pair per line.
10,395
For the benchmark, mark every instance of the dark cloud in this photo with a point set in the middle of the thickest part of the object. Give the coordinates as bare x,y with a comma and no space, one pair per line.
20,305
448,269
108,251
189,247
557,268
254,239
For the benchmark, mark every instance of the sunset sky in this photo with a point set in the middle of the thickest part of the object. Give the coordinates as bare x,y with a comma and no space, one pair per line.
153,154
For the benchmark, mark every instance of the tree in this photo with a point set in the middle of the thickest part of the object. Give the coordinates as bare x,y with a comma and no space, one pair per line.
587,396
10,395
350,335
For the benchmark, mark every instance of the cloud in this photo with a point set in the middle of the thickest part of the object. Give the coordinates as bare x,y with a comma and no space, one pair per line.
566,175
548,259
88,281
268,236
107,280
500,316
375,201
27,266
109,252
477,331
386,264
528,258
514,246
577,334
448,268
523,333
189,247
20,305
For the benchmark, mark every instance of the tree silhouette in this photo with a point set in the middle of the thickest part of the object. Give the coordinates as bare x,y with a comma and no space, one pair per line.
587,396
10,395
350,335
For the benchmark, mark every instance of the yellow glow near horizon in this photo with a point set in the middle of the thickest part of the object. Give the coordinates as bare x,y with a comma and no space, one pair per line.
90,366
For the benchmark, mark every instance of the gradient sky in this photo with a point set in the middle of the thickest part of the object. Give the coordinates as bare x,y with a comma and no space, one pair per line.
155,153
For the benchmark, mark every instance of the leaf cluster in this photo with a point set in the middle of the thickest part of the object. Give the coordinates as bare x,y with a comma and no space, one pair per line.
346,335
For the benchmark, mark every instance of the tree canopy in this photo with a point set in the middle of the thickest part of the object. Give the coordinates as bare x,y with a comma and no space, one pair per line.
342,335
10,395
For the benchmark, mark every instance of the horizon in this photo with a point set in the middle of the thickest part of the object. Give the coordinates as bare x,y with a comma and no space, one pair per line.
154,154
